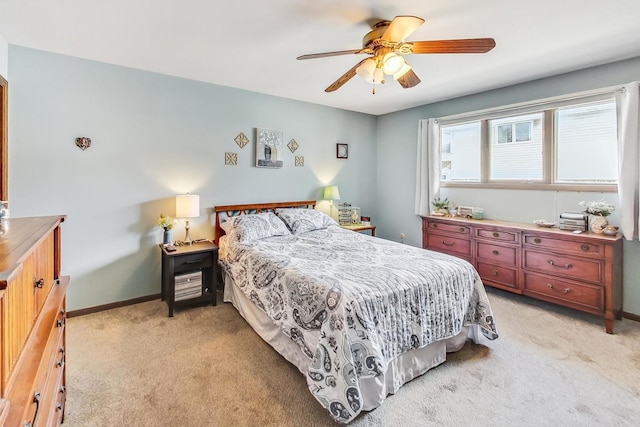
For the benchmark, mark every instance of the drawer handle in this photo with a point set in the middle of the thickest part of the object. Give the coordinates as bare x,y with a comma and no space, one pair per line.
62,391
447,244
434,225
61,361
537,240
494,272
584,247
495,252
462,229
496,234
566,266
193,262
60,321
39,284
564,291
36,400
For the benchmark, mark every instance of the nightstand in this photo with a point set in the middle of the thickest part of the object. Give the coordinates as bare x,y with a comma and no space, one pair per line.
360,227
189,275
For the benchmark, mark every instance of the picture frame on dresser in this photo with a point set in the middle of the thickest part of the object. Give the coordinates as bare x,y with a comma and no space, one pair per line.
465,211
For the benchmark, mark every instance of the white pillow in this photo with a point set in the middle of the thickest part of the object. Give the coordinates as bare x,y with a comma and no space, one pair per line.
251,227
304,220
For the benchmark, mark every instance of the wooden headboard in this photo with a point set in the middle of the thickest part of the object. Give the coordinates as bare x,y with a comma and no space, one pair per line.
235,210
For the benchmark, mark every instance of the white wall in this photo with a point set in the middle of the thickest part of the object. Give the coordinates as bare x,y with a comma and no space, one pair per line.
155,136
4,58
397,139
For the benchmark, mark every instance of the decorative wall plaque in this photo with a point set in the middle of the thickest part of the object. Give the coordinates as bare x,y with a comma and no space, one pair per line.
83,142
293,145
241,140
299,161
231,159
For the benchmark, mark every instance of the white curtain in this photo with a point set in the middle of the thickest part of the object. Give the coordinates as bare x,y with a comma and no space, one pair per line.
427,166
628,159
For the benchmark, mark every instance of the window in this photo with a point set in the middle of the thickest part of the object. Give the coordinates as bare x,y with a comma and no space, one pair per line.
587,143
460,152
516,151
559,144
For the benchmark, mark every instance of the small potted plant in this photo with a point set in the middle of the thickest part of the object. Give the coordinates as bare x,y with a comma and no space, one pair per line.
167,223
440,207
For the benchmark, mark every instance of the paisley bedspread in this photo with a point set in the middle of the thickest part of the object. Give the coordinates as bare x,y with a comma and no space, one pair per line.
352,302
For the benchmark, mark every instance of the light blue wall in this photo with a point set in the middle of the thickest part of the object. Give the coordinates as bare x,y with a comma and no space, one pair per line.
155,136
397,139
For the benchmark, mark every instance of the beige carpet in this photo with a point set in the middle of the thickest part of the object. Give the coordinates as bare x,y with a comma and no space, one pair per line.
134,366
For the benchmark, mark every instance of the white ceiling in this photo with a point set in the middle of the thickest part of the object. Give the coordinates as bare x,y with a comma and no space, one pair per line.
253,44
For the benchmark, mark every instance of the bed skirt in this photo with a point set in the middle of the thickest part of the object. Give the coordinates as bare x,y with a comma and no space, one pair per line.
399,371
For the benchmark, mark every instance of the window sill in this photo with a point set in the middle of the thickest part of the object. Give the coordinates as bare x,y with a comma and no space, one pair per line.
597,188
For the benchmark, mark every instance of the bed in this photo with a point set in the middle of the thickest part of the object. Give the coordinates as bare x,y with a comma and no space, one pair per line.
359,316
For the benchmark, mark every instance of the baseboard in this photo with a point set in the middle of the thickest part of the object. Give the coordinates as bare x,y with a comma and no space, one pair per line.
96,309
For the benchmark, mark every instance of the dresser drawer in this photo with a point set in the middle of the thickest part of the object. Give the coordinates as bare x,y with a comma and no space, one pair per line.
448,228
496,234
451,245
505,255
193,261
41,410
53,393
582,247
577,295
564,266
493,274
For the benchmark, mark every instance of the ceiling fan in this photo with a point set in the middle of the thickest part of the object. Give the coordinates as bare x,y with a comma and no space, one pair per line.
386,44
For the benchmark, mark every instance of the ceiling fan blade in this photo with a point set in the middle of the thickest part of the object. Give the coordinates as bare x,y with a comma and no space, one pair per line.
326,54
344,78
410,79
454,46
401,27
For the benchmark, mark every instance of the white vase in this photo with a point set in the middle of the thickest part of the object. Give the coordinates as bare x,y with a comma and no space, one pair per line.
597,223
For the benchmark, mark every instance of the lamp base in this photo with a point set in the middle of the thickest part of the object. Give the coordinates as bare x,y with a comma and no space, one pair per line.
187,237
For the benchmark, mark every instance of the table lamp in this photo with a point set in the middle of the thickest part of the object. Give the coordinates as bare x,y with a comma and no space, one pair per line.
331,193
187,206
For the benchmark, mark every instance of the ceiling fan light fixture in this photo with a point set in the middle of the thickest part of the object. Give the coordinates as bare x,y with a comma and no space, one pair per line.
392,63
366,70
402,71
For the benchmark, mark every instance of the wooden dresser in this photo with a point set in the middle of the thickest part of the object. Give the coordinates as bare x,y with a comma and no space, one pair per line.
581,271
32,322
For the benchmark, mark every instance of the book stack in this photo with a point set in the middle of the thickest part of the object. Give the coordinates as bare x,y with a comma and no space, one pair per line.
188,286
573,221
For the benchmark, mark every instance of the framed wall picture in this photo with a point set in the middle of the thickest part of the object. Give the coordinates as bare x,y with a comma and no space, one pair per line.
268,146
342,151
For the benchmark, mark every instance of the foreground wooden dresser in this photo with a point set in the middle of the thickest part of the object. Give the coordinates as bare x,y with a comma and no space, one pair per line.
32,323
581,271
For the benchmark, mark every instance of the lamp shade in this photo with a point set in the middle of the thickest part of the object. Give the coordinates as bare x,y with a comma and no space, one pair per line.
366,70
392,63
331,193
188,206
